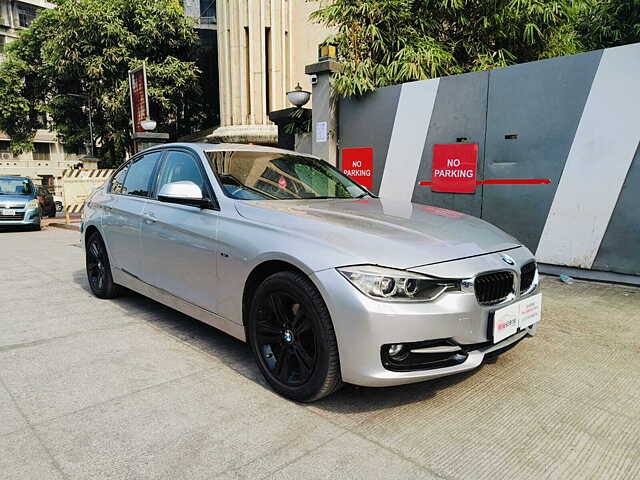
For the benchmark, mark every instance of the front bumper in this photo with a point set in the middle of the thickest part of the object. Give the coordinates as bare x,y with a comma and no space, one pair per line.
364,325
29,218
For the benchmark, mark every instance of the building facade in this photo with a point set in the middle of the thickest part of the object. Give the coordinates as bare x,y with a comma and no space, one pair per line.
49,158
263,47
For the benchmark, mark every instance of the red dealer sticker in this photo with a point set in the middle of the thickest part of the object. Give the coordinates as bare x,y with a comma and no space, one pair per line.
357,164
454,168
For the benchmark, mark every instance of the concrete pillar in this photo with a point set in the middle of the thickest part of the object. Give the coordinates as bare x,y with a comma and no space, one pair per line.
149,139
324,140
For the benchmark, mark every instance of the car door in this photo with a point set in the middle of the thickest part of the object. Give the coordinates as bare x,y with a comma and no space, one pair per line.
179,241
123,207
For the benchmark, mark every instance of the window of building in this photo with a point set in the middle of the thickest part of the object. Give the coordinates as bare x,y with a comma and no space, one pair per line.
42,151
26,14
77,149
208,11
4,146
267,73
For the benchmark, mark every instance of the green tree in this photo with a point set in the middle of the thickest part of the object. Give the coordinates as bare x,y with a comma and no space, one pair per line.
85,48
383,42
609,23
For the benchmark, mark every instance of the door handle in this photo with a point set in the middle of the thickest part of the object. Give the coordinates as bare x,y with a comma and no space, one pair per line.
149,218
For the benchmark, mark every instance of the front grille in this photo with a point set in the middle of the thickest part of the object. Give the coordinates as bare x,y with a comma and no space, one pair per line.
12,207
527,274
493,287
19,216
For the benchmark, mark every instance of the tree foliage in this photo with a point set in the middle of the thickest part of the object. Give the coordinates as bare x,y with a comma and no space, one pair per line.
86,48
383,42
609,23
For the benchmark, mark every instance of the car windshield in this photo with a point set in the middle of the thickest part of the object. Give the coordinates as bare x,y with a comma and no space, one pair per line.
277,176
15,186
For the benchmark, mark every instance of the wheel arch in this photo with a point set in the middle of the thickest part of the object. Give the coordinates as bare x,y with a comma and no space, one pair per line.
258,275
91,229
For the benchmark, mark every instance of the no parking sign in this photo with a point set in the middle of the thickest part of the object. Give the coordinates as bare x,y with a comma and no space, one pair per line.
454,168
357,164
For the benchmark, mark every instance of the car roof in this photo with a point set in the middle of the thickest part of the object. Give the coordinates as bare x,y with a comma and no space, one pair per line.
13,177
236,147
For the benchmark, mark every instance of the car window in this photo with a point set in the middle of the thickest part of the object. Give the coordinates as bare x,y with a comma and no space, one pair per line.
246,175
138,180
16,186
118,179
180,166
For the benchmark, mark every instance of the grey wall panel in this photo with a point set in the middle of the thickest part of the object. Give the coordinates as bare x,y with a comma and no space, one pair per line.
368,122
601,155
459,111
541,103
619,250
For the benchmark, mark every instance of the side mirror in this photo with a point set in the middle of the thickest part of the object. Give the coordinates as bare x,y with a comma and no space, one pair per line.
184,193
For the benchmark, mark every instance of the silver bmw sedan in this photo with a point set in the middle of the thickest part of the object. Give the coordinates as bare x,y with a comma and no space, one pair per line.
327,283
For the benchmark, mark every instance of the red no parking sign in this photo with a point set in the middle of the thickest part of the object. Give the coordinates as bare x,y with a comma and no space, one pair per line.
357,164
454,168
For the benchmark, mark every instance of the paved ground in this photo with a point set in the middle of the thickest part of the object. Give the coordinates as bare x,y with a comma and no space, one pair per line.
130,389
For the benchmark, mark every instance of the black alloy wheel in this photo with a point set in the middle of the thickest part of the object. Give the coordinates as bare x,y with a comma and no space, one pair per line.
292,338
285,338
99,269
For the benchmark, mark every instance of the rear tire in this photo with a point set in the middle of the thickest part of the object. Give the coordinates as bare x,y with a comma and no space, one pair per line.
292,338
99,268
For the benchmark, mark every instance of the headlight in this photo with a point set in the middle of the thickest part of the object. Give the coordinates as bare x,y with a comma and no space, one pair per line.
32,204
396,285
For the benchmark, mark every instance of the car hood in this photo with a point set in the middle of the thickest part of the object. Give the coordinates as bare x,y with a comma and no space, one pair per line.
13,199
388,233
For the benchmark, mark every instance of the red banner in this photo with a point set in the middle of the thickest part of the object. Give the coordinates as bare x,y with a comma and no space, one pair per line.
139,98
357,164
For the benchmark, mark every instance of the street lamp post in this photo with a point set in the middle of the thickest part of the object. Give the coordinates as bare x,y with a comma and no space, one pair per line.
90,126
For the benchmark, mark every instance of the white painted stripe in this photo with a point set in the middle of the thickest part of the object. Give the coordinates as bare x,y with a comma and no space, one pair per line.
408,137
600,156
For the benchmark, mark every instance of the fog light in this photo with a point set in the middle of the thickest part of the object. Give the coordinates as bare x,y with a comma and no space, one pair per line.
395,349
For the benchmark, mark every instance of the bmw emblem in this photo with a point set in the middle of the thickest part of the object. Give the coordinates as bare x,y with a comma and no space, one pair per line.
508,260
288,336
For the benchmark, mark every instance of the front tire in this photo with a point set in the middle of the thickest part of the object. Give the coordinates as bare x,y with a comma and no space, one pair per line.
292,338
99,268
